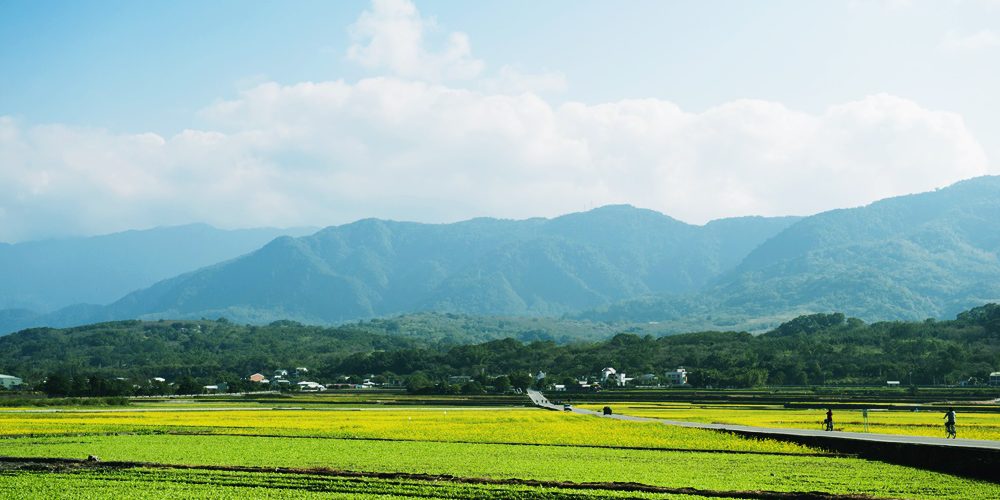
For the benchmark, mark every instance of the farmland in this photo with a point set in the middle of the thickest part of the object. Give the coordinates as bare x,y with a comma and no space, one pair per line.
354,447
984,423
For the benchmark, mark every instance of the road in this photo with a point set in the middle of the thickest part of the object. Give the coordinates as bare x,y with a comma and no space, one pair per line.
539,400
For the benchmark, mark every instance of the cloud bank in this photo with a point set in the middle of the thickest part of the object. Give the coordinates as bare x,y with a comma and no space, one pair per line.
439,139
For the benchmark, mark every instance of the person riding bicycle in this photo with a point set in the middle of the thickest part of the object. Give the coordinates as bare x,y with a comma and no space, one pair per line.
949,424
828,423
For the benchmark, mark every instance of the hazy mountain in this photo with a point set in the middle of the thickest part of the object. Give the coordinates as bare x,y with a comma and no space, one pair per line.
483,266
43,276
912,257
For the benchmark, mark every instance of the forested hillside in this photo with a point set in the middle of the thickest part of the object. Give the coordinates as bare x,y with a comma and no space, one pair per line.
914,257
814,349
921,256
373,268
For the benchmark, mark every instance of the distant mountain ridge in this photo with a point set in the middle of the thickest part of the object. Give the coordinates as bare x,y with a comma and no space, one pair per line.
928,255
910,257
43,276
483,266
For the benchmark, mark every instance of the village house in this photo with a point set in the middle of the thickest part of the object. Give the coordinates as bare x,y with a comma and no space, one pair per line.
677,377
258,378
10,381
306,386
995,378
611,376
220,387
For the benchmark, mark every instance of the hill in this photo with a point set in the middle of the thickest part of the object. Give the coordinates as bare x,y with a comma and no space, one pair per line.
927,255
374,268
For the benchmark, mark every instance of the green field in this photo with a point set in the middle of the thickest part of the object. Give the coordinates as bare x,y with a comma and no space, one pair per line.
363,448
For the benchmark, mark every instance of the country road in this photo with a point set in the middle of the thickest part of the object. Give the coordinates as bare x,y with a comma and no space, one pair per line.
970,457
539,400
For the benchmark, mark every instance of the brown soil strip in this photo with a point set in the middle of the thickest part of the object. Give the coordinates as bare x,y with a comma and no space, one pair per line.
69,465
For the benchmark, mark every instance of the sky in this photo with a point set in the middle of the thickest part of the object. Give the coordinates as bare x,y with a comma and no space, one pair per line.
123,115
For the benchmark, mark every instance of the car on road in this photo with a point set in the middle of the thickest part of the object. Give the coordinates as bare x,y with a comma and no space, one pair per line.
567,407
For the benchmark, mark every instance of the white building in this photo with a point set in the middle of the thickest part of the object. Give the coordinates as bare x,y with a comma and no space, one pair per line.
10,381
676,377
306,386
608,373
995,378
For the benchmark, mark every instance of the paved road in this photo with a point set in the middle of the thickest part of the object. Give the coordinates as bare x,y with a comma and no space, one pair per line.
539,399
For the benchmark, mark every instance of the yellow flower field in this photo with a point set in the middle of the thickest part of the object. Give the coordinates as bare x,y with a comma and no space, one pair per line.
528,426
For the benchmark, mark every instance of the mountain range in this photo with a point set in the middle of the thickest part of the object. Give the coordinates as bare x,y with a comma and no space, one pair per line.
919,256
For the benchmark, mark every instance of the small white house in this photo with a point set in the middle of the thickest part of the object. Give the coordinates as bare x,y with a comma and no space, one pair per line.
608,373
677,377
559,387
892,383
995,378
306,386
10,381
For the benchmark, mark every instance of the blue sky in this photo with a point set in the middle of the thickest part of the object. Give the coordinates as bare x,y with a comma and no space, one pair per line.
133,114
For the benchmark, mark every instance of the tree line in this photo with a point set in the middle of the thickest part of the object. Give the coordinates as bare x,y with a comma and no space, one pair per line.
818,349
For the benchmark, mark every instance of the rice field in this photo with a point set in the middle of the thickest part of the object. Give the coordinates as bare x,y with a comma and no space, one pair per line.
373,451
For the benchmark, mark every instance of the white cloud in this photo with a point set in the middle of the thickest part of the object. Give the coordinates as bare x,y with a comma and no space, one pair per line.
410,146
512,80
984,39
331,152
393,36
